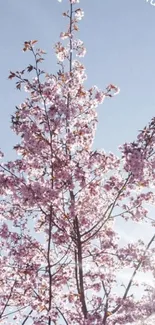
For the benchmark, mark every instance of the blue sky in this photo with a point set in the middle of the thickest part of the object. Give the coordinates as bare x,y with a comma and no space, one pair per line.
120,42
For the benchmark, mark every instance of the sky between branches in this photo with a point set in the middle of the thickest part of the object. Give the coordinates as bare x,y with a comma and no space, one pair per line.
120,42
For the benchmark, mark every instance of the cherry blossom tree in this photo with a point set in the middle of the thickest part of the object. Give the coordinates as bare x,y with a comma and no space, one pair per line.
60,251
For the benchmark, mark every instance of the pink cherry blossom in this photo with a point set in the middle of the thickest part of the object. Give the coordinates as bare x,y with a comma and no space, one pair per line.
61,256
